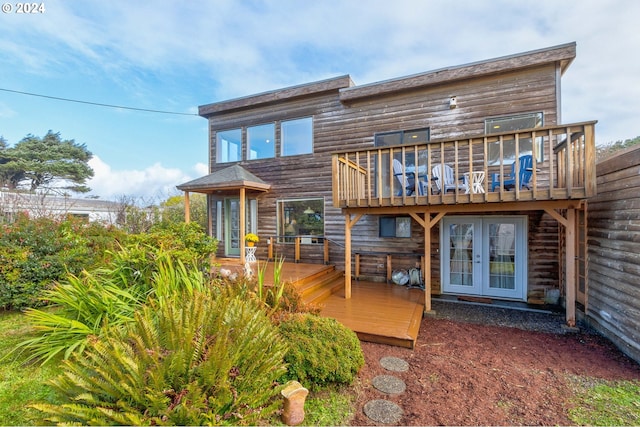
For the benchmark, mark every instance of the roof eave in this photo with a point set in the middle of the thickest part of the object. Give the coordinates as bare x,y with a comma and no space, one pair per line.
561,54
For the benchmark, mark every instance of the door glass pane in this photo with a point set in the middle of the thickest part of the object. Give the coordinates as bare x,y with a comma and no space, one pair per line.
234,224
502,256
461,254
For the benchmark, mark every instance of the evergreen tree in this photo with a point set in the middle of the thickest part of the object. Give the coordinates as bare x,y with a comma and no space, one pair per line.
47,162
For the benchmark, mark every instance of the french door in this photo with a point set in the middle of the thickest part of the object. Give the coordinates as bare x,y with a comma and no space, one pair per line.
232,223
232,227
485,256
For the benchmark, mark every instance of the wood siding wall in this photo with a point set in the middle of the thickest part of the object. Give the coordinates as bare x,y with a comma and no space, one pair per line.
339,126
613,296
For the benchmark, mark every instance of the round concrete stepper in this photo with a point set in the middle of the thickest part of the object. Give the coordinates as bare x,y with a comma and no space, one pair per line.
389,384
394,364
383,411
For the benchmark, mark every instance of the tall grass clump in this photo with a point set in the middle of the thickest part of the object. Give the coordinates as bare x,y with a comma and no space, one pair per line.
87,303
204,359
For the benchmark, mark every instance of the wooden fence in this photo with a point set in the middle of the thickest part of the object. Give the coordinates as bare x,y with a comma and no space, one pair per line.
613,296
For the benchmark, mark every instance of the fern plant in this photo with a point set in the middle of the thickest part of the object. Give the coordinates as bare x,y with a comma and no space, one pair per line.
202,359
106,296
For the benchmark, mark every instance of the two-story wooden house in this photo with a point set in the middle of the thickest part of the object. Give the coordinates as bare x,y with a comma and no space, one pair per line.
467,172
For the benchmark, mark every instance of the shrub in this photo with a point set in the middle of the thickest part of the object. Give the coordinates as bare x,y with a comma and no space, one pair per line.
194,360
321,351
35,253
105,296
186,242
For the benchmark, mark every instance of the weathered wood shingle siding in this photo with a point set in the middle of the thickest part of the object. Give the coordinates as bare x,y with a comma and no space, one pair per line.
613,303
348,118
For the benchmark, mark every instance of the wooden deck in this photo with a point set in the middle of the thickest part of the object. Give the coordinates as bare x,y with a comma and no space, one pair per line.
376,312
379,312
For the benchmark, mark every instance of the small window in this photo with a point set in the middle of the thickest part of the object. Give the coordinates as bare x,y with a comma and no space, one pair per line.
297,137
302,218
260,142
417,136
395,226
512,124
229,145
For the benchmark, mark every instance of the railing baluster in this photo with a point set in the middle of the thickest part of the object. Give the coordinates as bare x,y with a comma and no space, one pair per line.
567,164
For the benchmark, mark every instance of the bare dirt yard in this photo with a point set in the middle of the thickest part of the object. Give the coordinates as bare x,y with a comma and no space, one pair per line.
468,371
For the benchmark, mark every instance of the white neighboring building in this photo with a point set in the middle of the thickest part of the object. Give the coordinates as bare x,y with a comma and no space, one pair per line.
39,205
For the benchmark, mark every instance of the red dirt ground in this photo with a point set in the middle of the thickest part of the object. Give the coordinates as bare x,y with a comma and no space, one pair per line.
470,374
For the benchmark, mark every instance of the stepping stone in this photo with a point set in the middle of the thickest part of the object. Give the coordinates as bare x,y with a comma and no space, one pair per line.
389,384
383,411
394,364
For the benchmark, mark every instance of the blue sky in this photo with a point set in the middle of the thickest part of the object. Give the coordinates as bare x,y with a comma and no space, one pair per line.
176,55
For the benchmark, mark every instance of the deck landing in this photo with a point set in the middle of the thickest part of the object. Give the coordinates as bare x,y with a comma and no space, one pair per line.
379,312
376,312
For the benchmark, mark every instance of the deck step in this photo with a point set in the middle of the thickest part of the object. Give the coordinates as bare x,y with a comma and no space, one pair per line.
325,291
315,288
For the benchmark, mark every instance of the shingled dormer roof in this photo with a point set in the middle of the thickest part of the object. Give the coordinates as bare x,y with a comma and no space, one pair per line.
231,178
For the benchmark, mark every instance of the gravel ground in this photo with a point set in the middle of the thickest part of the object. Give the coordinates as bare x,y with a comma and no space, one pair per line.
550,320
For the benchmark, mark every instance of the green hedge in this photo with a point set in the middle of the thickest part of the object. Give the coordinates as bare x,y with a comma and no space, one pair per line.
36,253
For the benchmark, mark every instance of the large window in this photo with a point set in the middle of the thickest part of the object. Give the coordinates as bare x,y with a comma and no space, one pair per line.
511,124
229,145
297,137
260,142
301,217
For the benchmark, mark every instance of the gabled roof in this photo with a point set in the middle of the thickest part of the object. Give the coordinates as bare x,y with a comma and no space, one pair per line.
562,55
231,178
266,98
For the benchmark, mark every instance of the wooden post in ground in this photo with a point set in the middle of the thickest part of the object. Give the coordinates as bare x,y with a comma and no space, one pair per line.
187,208
570,269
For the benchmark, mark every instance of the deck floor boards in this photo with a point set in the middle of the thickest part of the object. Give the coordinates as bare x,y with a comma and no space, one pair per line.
376,312
379,312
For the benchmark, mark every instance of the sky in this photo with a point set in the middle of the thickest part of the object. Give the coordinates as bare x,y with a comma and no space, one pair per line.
174,55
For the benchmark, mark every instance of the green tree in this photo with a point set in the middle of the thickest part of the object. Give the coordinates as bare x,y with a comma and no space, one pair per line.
173,209
44,163
610,148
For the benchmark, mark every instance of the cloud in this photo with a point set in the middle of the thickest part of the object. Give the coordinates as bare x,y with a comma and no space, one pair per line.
153,182
201,169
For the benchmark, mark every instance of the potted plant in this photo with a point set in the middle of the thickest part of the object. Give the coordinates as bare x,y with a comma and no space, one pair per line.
251,239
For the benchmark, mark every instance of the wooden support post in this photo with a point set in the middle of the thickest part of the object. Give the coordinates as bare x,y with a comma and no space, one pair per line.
347,256
187,208
270,248
348,224
326,251
357,267
243,225
297,254
570,268
389,268
427,262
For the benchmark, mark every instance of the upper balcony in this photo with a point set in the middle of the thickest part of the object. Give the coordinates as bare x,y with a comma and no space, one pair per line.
483,169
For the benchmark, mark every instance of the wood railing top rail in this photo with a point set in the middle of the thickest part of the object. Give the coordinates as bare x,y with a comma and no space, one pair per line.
494,137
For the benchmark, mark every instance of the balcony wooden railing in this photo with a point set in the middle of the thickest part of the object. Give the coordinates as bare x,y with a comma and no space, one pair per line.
563,168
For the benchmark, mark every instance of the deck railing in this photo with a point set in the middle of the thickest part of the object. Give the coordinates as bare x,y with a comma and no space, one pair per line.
563,167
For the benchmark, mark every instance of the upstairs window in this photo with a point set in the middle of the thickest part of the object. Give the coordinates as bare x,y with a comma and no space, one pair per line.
229,146
402,137
297,137
512,124
261,142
